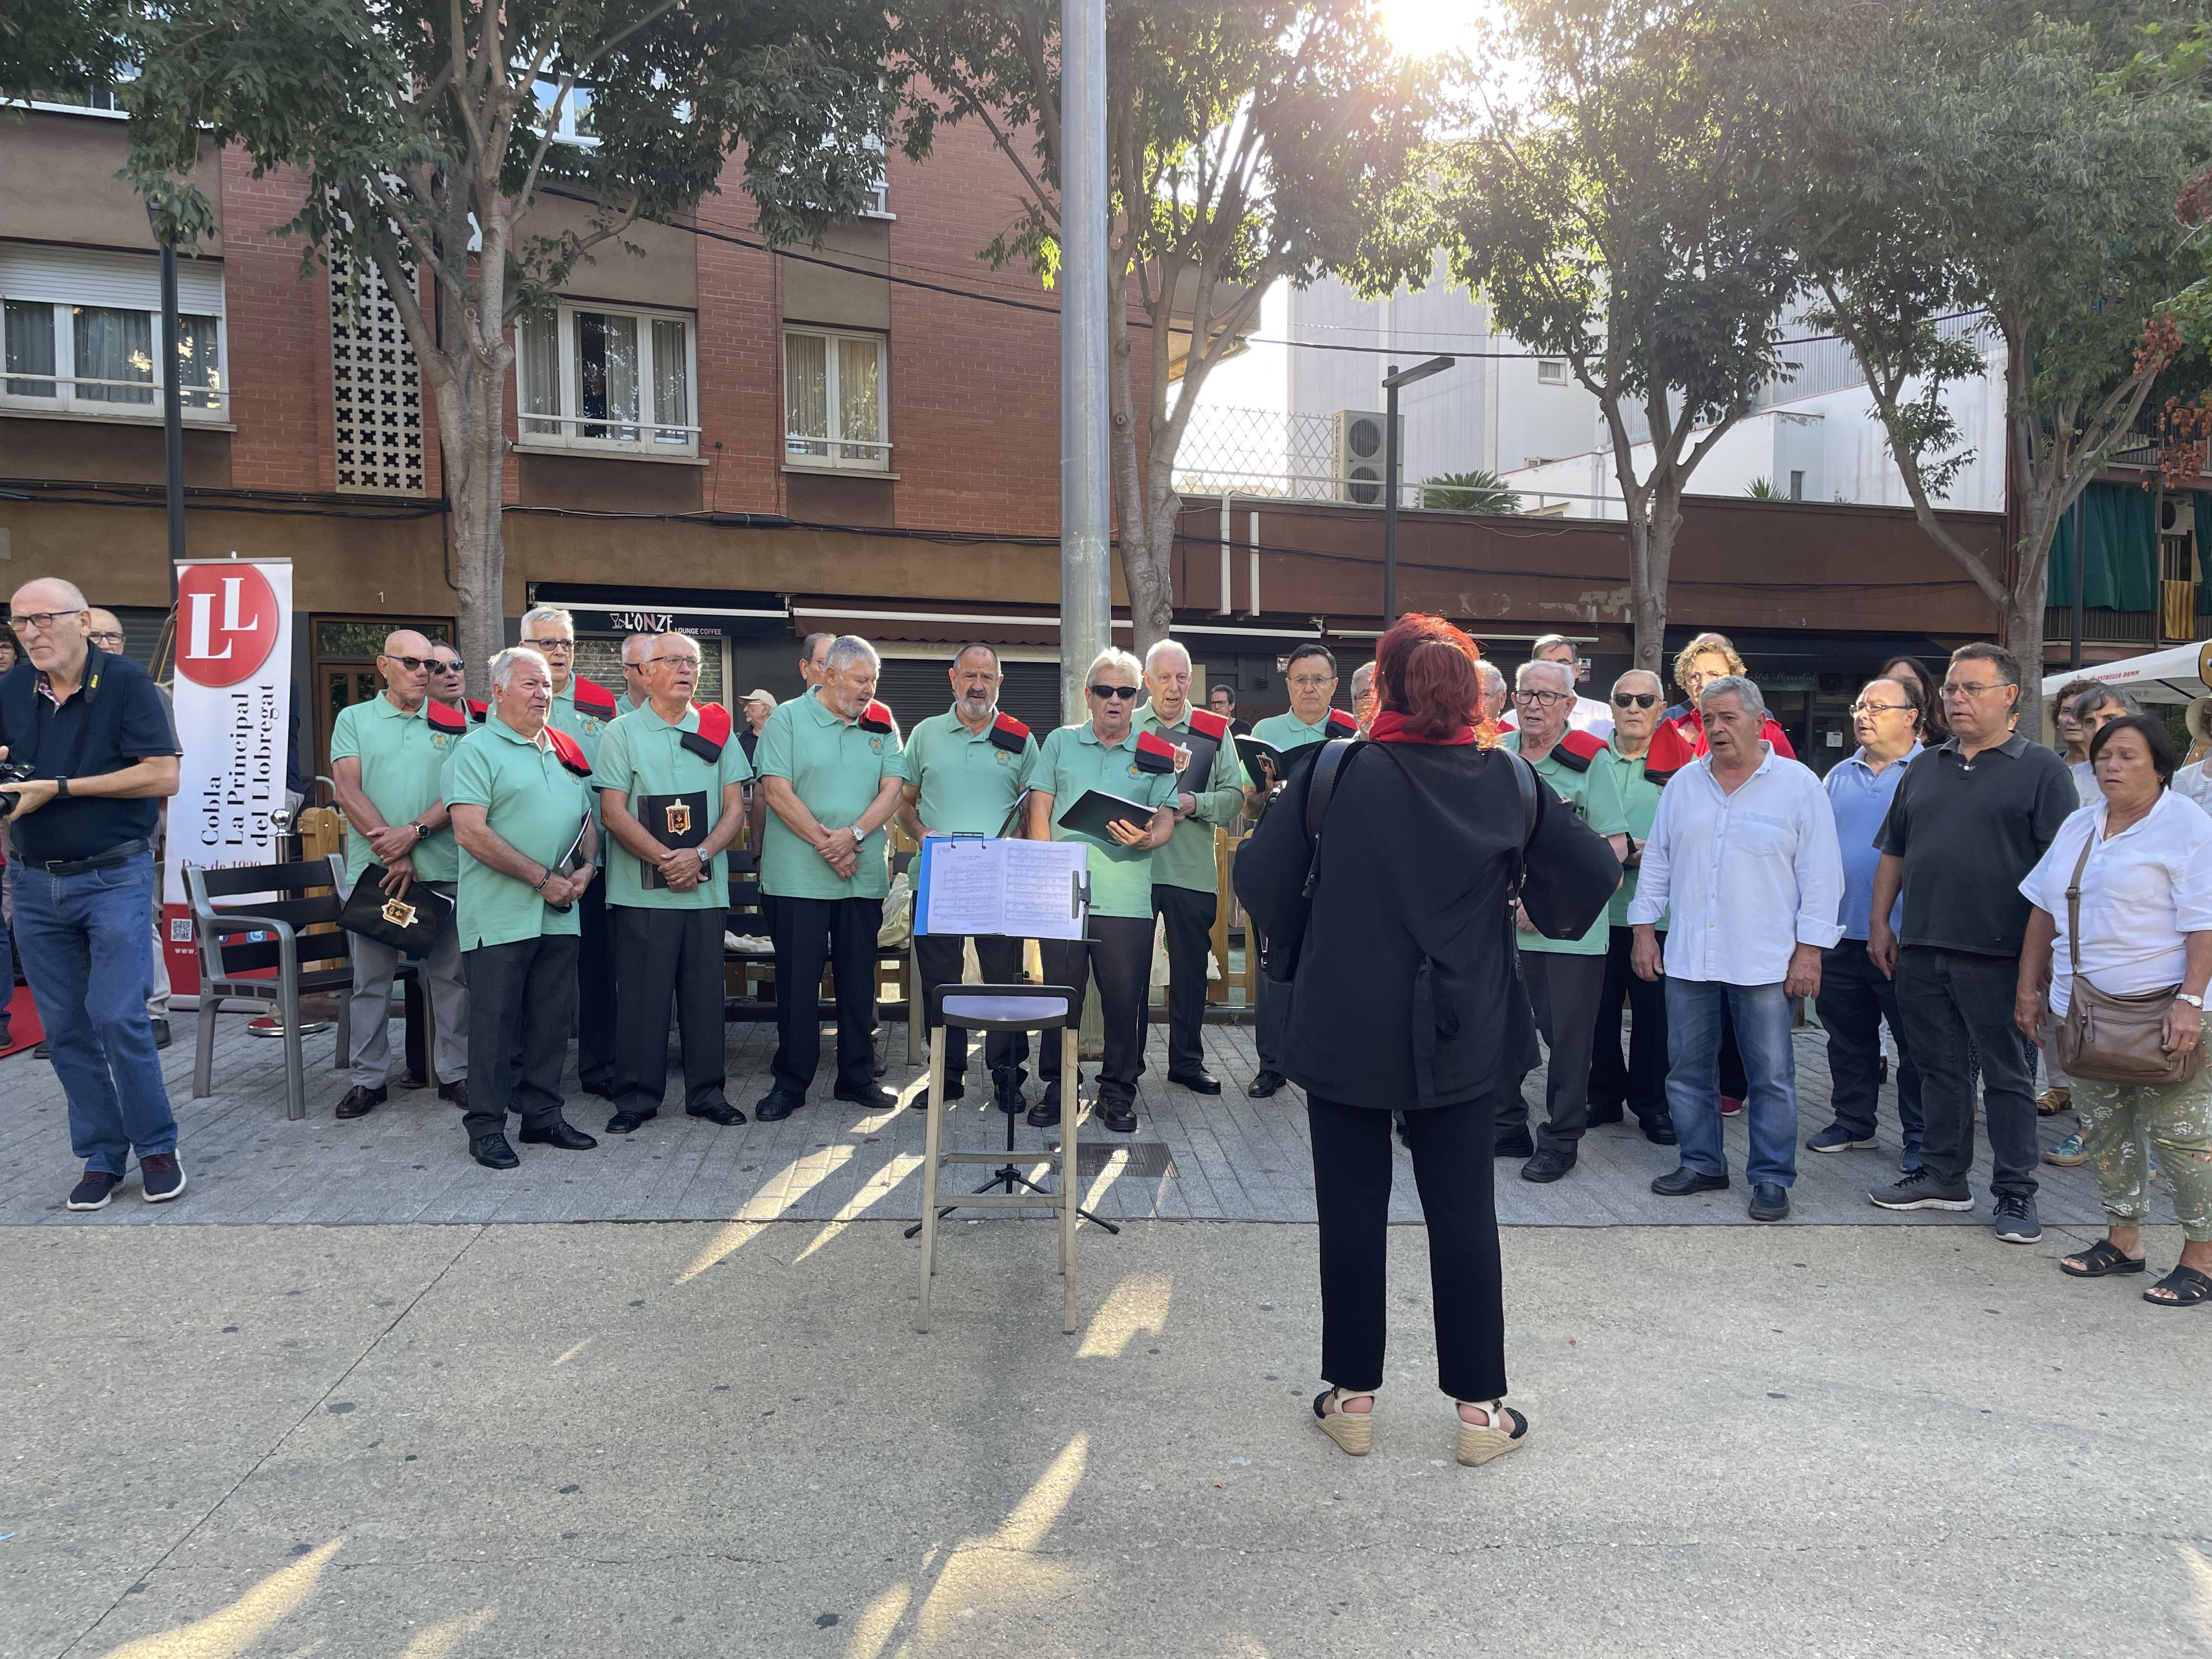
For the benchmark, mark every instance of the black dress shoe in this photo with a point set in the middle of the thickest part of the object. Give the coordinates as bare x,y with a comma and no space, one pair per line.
162,1038
1006,1092
1599,1114
1045,1114
874,1096
42,1050
955,1088
1548,1164
623,1123
774,1107
1770,1201
726,1115
1265,1084
456,1092
1514,1143
493,1152
1198,1083
1682,1180
1119,1115
360,1101
1659,1131
560,1133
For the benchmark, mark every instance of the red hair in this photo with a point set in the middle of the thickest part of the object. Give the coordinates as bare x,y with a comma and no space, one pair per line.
1426,671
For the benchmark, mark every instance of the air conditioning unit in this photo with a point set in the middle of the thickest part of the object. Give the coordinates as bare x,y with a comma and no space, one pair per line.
1359,456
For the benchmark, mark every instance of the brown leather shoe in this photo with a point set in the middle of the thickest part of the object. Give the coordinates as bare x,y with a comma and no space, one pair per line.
360,1102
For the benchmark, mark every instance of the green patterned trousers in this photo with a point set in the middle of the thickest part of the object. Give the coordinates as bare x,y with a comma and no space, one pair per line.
2116,1119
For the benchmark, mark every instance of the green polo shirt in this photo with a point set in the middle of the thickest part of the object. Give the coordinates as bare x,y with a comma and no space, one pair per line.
535,804
1595,799
1286,731
641,754
587,730
1187,859
403,765
836,769
1072,764
1639,804
969,784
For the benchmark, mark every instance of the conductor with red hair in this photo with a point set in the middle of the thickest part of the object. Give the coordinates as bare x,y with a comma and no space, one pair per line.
1404,997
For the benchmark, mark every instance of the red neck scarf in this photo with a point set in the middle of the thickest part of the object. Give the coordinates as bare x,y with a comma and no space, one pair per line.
1389,727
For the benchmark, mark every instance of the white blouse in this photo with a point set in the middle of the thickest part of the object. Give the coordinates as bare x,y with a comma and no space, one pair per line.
2142,891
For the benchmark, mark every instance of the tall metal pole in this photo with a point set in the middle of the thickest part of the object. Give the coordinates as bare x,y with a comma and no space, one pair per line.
1086,584
173,414
1389,494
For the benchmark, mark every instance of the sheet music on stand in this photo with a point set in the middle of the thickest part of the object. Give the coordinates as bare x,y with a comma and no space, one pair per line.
1016,889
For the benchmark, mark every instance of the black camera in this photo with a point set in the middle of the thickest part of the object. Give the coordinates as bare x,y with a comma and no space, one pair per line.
12,772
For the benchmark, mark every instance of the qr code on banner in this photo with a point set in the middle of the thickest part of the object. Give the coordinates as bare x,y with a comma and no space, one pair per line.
180,930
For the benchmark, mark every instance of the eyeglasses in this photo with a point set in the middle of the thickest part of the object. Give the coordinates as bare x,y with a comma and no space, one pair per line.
1879,708
1109,693
411,664
1960,691
1311,682
1633,699
42,621
106,637
551,645
688,661
1546,699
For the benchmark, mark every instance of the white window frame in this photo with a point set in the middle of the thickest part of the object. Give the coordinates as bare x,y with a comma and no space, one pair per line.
876,453
543,92
1551,371
203,406
879,192
565,431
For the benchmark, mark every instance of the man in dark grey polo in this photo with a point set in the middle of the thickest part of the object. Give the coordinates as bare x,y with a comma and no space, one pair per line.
1970,819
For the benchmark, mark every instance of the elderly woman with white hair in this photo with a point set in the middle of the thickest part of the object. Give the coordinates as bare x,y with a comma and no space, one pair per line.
1108,754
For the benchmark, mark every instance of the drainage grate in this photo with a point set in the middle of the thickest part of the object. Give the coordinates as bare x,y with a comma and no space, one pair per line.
1144,1160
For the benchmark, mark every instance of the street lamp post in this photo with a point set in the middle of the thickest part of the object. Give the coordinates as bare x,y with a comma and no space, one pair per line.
1086,516
1393,378
172,410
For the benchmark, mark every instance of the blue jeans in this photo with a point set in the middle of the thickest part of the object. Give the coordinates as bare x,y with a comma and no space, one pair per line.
88,953
1761,1015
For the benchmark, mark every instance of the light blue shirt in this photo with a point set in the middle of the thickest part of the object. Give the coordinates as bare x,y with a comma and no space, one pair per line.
1860,797
1749,876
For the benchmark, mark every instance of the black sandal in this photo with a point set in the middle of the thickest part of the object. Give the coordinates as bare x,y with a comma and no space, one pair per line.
2188,1285
2101,1260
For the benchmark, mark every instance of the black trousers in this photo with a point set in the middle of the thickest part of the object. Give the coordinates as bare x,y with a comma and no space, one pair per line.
1957,1007
1641,1083
595,992
1452,1168
660,956
1855,997
939,957
1563,993
521,999
1119,952
810,934
1189,914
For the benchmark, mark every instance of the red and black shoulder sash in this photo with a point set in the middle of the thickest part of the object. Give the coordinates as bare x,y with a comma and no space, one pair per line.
1205,723
571,752
477,710
1155,754
712,735
876,717
1008,734
444,718
1669,753
1341,724
1576,749
593,699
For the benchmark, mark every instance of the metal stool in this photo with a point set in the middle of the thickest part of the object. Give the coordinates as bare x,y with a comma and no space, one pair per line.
1043,1008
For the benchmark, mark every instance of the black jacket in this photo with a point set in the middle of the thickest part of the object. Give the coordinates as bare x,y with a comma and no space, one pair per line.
1409,991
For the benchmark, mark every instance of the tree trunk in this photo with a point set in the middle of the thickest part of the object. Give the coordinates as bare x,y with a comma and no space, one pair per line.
1146,560
1133,529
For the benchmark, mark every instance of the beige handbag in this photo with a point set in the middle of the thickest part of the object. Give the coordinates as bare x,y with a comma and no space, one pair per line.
2115,1039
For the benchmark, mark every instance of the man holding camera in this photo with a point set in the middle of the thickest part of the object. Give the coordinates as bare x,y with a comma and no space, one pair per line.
87,743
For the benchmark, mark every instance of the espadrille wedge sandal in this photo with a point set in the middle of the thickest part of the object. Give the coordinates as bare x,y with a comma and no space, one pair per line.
1352,1431
1480,1441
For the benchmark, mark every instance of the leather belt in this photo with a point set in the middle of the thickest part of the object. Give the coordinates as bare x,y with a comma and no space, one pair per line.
107,860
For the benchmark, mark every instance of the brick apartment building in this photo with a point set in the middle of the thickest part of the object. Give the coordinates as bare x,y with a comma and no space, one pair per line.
862,437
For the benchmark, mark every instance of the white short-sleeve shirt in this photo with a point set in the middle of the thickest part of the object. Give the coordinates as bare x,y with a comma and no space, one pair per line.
2143,891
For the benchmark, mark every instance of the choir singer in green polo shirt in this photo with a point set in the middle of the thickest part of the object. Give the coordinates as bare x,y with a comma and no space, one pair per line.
1186,882
965,769
831,771
672,784
1107,753
515,790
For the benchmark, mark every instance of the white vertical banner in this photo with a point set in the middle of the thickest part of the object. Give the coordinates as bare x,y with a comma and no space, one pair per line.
233,696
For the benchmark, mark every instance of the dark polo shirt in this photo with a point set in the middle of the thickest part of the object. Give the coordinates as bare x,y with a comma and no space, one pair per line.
1969,831
114,719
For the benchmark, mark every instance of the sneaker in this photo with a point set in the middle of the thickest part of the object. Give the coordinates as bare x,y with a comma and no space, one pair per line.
1923,1189
1910,1160
2068,1152
1837,1139
161,1177
1731,1105
93,1191
2016,1220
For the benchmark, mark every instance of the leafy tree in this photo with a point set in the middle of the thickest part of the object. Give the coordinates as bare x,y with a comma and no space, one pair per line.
1248,141
1629,215
1479,491
1999,158
427,133
62,46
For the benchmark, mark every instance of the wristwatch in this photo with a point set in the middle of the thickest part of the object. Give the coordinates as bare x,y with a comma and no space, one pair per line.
421,831
859,841
61,789
2196,1002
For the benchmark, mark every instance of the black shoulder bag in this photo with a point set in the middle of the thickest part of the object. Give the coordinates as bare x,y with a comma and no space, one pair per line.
1278,954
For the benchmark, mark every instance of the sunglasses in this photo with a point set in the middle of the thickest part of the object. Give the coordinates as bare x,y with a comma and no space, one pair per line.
1108,693
1637,698
411,664
452,667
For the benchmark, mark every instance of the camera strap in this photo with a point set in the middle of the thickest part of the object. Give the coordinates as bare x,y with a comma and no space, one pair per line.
44,710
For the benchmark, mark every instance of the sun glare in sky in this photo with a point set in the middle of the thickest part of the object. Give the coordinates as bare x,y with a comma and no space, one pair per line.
1423,28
